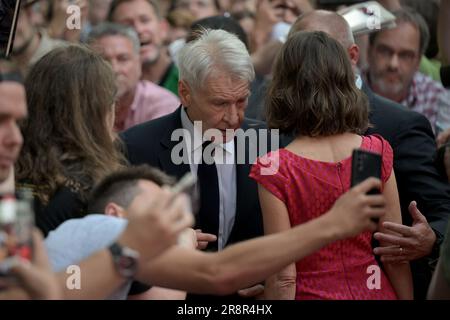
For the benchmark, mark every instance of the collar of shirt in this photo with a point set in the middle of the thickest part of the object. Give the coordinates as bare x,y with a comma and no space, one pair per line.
127,120
358,81
197,137
137,94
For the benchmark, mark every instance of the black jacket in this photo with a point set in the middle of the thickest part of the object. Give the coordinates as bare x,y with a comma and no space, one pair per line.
150,143
413,142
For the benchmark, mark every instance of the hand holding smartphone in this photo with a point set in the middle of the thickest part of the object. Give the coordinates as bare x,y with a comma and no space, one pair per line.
187,184
366,164
16,231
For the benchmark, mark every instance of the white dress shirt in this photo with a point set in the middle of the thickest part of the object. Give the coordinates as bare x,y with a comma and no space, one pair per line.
226,173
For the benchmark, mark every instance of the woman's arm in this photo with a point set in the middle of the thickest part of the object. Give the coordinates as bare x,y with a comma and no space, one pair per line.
399,274
276,219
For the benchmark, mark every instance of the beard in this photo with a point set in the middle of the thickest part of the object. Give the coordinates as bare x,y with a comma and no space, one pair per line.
385,87
151,57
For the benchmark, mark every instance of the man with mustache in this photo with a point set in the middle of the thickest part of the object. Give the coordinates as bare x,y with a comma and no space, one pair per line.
394,58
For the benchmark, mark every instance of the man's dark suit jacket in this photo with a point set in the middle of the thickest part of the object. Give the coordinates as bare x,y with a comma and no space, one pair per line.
413,142
150,143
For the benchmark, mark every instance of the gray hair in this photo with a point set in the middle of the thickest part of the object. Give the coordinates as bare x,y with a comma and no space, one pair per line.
409,15
112,29
214,49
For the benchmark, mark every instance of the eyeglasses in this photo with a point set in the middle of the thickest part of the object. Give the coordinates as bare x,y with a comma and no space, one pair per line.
385,52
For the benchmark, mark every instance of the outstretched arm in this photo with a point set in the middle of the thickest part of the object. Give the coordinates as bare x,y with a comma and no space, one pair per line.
246,263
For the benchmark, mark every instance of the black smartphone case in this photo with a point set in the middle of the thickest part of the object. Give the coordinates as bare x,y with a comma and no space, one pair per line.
365,164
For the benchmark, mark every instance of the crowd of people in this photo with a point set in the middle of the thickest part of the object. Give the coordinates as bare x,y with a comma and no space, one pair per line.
260,102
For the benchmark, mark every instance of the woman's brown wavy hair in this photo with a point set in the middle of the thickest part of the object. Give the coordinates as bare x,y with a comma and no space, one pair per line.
67,139
313,91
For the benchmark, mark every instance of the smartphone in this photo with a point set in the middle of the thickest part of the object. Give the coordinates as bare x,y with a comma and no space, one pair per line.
16,231
188,185
9,14
365,164
185,184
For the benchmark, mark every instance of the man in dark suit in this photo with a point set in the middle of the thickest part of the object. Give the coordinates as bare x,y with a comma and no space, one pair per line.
150,143
418,180
204,136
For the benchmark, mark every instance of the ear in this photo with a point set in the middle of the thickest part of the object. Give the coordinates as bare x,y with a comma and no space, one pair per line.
114,210
185,93
353,52
163,29
419,59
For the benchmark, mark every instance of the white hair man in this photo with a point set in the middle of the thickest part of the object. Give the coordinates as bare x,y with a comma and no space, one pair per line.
215,74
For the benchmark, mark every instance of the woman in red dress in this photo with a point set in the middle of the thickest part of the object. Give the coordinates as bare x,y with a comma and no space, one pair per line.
313,97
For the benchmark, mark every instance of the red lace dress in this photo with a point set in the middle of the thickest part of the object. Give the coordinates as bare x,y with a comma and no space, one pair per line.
309,188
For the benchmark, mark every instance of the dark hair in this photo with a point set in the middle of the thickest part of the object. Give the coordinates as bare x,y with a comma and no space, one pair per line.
105,29
217,23
240,15
408,15
313,91
429,10
115,3
180,18
70,94
121,186
173,5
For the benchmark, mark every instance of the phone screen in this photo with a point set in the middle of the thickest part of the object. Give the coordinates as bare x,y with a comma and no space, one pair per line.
188,185
16,226
9,14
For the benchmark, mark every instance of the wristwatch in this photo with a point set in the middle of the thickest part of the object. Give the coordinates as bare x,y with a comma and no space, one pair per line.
125,260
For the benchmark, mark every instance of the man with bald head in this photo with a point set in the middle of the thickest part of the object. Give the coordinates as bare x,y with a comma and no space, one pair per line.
412,139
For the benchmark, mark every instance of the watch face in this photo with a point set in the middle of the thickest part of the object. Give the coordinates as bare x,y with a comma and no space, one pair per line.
127,266
126,260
